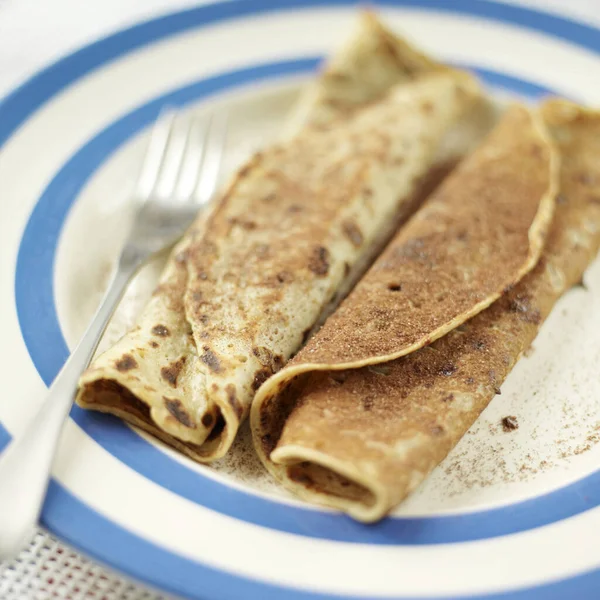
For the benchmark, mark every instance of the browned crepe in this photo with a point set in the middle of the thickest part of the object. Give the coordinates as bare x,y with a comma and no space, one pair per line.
361,440
260,269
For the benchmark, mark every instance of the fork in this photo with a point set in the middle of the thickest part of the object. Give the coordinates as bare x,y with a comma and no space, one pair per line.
178,176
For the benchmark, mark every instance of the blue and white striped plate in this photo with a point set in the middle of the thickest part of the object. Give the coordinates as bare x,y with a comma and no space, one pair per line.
507,515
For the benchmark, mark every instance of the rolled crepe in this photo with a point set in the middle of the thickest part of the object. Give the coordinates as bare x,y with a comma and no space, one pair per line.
360,440
240,293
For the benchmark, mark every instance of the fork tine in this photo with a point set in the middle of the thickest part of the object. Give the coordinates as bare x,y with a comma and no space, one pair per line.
211,165
159,138
192,160
165,185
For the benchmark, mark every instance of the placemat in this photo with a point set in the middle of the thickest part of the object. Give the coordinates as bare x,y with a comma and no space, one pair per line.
47,569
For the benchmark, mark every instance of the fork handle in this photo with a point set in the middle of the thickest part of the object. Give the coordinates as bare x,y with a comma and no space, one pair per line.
25,465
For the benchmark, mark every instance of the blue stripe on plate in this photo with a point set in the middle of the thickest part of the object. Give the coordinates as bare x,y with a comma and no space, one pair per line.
79,524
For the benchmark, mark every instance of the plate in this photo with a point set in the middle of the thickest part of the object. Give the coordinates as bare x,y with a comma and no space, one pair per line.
507,515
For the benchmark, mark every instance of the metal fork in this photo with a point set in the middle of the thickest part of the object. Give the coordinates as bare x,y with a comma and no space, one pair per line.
178,176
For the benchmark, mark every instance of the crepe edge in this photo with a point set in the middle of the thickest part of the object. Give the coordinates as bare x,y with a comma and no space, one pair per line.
361,511
205,451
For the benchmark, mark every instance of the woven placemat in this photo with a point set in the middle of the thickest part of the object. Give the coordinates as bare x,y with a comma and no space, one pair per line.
47,569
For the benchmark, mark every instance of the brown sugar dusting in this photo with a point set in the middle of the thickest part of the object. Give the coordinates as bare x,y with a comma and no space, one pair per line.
484,462
510,423
242,464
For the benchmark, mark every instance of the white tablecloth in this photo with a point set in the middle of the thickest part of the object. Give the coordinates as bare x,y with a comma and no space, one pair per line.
34,33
